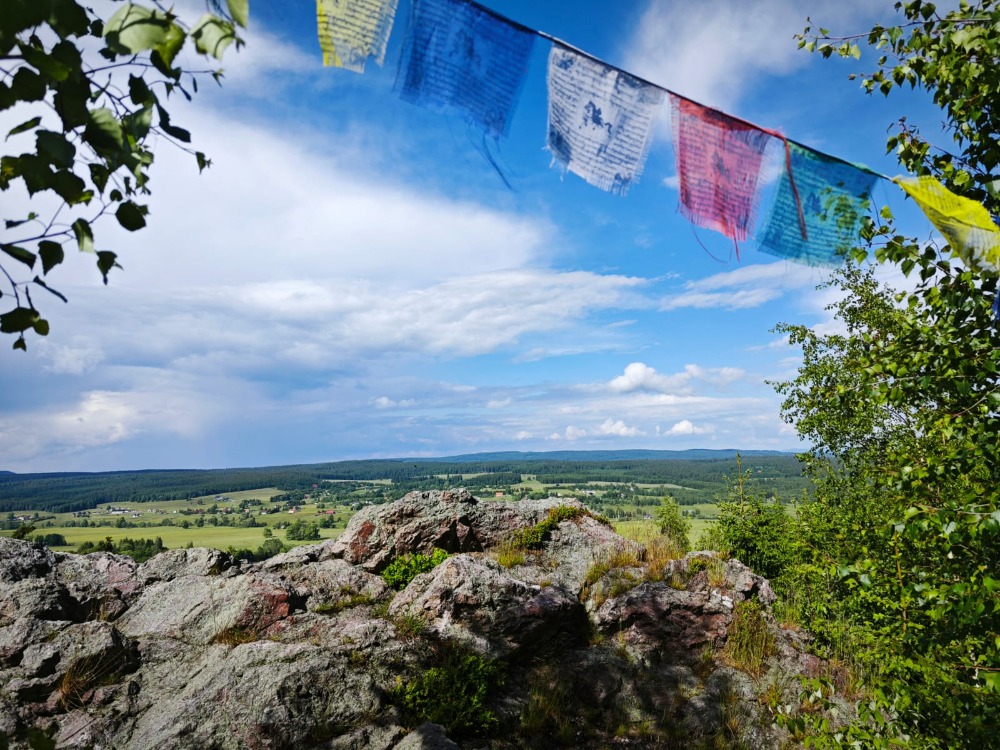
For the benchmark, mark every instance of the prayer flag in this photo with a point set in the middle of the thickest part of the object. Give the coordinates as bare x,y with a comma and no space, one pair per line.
718,163
351,31
461,58
966,224
600,119
832,195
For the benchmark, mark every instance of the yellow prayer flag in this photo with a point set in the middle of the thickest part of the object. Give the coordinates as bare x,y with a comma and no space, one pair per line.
966,224
351,31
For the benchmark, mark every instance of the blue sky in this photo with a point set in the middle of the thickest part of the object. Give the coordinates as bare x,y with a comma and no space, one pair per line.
351,279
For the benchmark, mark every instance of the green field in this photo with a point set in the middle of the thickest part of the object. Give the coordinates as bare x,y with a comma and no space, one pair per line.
176,522
215,520
218,537
644,531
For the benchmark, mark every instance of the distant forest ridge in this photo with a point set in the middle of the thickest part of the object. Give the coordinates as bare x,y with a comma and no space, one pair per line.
696,454
75,491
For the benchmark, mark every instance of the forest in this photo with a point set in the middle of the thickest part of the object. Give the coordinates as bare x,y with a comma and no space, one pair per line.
697,479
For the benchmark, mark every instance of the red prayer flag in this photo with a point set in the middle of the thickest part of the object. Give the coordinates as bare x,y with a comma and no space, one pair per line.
718,163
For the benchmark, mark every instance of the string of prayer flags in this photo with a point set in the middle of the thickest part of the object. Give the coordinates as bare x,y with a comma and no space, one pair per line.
461,58
351,31
966,224
832,195
600,119
718,163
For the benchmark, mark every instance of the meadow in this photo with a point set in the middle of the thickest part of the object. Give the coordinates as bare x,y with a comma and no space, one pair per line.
223,521
208,521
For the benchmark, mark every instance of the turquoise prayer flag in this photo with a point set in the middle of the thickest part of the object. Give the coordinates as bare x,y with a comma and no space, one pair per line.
833,196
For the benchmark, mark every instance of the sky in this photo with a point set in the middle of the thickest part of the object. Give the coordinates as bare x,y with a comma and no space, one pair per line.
352,279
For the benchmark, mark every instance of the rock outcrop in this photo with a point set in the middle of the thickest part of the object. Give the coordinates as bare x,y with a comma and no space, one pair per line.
310,649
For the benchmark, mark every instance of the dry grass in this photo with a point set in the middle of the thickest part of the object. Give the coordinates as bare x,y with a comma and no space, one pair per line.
549,709
235,636
660,552
85,674
409,627
750,641
509,554
615,558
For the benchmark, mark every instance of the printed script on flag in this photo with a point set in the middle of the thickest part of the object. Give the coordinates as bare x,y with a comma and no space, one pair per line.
833,196
460,58
351,31
600,119
718,163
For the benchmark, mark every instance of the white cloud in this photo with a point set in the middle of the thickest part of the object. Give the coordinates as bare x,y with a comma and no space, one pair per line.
76,358
323,325
289,206
737,300
746,287
574,433
619,428
715,50
685,427
384,402
149,403
639,376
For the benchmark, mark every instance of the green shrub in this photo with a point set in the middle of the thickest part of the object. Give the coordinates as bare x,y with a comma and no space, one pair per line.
697,565
453,692
404,569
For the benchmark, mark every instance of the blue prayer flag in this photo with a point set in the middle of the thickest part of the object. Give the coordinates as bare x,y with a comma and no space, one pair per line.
461,58
833,196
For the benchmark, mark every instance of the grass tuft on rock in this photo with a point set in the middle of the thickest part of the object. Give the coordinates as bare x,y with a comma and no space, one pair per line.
750,640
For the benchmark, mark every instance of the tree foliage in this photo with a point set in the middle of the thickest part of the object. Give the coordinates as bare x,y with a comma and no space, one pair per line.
899,556
302,531
751,528
672,524
91,98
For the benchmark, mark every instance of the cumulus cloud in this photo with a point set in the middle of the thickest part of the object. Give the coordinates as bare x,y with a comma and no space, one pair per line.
639,376
685,427
619,428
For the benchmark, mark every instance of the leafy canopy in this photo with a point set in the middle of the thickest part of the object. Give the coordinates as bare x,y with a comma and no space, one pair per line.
91,96
899,558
